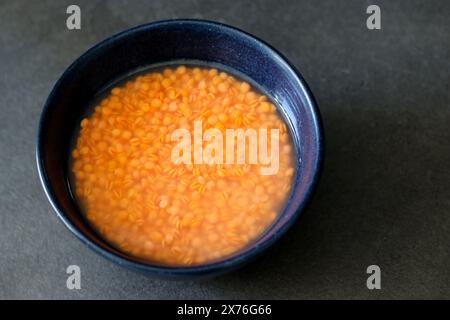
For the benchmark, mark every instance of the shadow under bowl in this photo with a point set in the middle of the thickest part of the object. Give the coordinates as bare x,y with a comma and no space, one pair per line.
166,42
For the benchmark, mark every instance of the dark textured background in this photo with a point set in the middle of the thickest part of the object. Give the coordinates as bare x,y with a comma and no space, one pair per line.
384,196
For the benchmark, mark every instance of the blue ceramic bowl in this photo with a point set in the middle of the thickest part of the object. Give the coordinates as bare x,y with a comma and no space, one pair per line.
165,42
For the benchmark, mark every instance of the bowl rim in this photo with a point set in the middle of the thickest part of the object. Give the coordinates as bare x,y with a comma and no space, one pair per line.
233,260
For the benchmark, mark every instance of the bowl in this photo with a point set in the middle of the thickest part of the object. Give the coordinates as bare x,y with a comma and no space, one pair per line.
166,42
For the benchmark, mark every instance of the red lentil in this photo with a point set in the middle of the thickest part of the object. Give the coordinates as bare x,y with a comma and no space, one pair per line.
173,214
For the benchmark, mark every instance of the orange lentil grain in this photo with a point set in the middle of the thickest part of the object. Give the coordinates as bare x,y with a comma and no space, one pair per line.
146,205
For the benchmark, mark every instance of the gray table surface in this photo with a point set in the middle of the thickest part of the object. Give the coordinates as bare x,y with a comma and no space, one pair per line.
384,196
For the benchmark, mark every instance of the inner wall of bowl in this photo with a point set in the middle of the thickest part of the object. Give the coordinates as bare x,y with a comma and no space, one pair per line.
168,43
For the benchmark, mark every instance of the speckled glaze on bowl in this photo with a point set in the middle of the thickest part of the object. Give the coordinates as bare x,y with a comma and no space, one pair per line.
167,41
